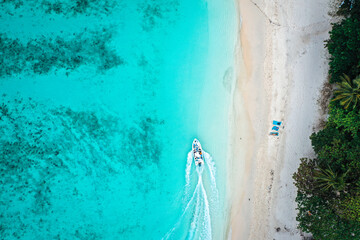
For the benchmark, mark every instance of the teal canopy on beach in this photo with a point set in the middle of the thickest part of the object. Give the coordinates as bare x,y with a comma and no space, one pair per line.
276,123
275,128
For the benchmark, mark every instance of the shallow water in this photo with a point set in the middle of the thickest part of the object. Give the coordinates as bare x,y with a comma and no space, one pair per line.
100,102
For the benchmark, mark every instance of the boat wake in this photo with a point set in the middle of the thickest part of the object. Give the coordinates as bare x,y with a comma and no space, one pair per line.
195,220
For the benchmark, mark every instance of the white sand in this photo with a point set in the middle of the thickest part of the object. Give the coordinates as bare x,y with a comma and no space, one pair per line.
282,68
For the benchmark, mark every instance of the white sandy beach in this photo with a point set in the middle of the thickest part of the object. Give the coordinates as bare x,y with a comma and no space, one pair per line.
282,68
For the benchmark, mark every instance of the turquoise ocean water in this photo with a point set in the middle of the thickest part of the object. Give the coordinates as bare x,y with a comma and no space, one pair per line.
99,104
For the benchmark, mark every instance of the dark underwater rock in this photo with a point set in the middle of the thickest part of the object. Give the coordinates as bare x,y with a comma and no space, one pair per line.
65,8
43,54
154,12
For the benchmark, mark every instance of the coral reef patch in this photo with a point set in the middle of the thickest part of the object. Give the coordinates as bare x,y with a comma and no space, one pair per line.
44,54
65,8
47,156
154,12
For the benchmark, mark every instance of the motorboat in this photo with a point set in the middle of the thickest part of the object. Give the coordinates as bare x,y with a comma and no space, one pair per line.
198,153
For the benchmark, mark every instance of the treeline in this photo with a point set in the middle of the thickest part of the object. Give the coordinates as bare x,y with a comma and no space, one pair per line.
328,194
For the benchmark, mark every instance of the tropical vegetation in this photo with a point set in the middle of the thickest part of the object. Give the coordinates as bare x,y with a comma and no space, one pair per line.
348,91
328,186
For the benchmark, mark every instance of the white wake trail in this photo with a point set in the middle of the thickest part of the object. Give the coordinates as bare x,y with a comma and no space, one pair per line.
198,207
187,173
168,234
194,222
212,171
206,233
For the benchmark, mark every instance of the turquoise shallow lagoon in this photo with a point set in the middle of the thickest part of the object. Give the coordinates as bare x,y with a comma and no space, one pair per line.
99,104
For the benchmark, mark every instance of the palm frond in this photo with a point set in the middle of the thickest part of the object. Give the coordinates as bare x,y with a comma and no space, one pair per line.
355,101
328,179
348,91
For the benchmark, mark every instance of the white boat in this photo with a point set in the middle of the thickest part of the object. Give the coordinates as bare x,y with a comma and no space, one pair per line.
198,153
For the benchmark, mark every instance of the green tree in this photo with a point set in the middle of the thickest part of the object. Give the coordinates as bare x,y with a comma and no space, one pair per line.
338,145
304,178
328,179
326,136
344,49
316,215
349,8
348,91
350,208
346,120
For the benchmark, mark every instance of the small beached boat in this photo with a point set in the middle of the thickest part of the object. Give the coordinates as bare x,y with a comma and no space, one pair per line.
198,153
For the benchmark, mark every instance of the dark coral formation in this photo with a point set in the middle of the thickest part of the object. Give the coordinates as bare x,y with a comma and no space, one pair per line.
88,7
65,8
44,149
154,11
32,132
42,55
34,137
141,143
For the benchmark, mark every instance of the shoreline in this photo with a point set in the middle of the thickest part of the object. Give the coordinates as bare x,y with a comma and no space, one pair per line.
282,65
243,141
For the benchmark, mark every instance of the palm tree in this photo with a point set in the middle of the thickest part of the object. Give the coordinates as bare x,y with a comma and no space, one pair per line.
348,91
328,179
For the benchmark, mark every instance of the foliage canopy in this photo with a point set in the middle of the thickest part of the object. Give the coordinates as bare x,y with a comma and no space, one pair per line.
344,48
348,91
